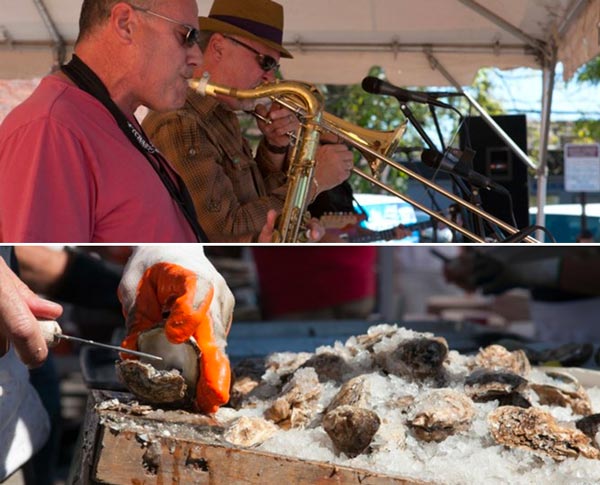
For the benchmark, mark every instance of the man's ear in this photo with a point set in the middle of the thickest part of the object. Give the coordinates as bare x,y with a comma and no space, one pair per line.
123,21
216,46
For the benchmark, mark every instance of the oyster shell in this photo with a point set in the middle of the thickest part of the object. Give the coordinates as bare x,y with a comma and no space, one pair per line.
375,335
418,358
351,428
246,378
567,393
391,435
590,425
298,400
496,357
151,385
440,413
286,363
249,431
536,430
328,366
484,385
353,393
170,381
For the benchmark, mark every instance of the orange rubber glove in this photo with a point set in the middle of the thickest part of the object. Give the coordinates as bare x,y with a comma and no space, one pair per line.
176,287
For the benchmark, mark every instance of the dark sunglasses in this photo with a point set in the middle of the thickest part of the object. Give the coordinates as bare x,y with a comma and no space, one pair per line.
266,62
192,36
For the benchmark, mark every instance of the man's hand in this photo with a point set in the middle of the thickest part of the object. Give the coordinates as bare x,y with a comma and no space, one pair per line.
19,310
283,122
493,275
177,287
315,231
334,165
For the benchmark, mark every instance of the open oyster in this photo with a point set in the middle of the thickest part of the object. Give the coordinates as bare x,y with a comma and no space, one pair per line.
170,381
536,430
440,413
351,428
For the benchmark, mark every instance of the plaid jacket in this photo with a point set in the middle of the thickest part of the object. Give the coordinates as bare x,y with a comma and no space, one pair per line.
232,190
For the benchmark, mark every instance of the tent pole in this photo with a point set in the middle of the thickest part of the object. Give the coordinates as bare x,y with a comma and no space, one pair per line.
484,114
503,24
548,74
58,42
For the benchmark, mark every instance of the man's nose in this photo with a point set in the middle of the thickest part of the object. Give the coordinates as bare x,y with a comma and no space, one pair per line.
269,76
195,55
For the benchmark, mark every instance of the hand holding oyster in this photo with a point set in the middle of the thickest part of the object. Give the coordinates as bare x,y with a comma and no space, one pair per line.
177,306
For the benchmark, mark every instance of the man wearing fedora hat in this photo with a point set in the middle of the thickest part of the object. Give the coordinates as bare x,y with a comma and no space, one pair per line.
232,188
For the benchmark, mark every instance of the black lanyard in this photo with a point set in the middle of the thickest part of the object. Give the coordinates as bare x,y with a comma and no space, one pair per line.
87,80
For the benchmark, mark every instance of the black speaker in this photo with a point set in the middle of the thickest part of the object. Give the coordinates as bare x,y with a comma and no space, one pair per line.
496,160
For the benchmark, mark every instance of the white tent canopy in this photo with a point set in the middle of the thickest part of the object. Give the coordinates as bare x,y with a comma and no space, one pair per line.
417,42
337,41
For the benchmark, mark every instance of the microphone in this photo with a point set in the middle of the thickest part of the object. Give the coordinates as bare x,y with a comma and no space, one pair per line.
375,85
457,162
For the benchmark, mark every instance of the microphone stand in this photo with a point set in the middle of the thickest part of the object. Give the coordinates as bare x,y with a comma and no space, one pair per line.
469,222
522,234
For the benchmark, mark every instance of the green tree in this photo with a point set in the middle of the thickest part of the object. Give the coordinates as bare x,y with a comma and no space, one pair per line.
376,112
588,130
590,72
382,113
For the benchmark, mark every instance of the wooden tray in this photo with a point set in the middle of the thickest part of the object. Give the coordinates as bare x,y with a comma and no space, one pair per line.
124,444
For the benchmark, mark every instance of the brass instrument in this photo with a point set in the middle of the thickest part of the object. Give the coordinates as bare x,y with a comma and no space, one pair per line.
306,102
384,142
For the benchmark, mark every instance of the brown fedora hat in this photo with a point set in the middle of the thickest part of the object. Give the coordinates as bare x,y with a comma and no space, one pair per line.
260,20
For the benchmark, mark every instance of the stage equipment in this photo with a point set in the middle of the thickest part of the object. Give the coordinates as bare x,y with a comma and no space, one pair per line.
306,101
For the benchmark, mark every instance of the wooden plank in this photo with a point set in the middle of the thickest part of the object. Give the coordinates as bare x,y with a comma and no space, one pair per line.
123,459
159,448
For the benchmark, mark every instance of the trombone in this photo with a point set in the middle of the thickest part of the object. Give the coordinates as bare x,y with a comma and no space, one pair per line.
305,101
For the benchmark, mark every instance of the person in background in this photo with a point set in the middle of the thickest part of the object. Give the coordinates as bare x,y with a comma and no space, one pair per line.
316,282
563,281
585,237
418,276
75,166
232,188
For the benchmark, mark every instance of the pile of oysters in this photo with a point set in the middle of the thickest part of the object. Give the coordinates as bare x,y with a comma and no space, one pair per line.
393,384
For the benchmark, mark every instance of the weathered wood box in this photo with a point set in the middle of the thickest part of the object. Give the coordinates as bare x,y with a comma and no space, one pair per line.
124,444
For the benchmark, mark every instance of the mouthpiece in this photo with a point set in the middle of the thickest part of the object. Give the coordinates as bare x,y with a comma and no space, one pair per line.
199,85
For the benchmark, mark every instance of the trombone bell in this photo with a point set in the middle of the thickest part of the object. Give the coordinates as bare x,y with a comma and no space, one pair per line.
382,142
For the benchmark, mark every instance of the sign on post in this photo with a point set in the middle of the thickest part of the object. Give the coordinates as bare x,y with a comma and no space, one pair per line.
582,167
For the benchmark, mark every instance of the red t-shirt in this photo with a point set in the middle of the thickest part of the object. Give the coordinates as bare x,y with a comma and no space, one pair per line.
294,279
69,174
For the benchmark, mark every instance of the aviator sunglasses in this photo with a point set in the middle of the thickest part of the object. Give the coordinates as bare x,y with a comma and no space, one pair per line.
266,62
192,36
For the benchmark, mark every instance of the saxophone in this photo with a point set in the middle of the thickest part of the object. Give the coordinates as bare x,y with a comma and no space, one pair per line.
307,103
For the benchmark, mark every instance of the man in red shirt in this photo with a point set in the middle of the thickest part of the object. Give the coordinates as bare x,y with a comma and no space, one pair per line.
318,282
74,163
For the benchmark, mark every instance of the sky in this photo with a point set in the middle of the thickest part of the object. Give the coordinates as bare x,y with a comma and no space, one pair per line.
520,91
